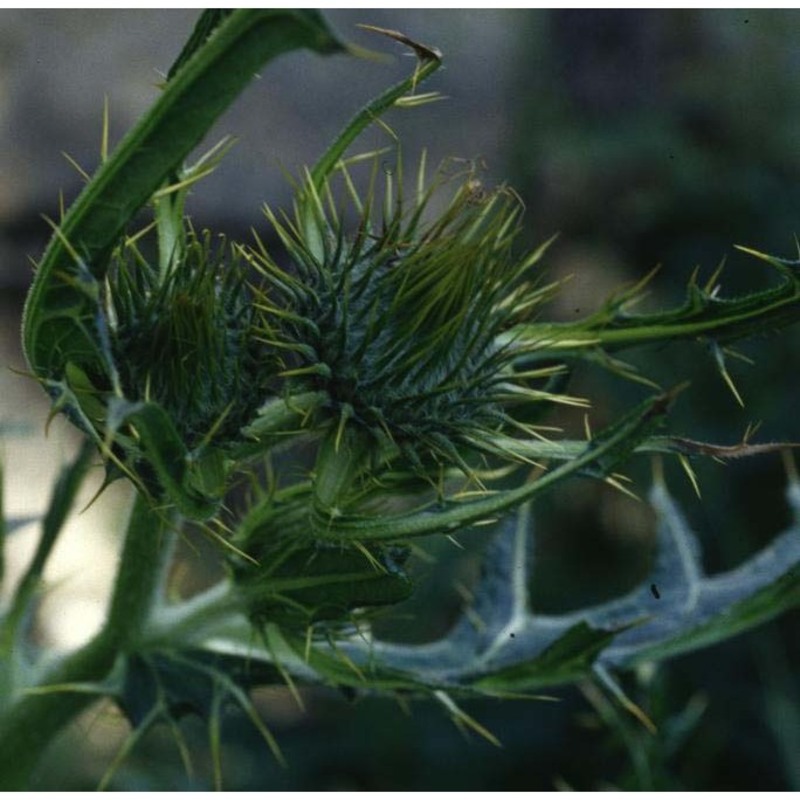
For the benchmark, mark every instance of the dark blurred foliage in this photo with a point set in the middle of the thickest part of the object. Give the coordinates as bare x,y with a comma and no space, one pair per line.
643,137
664,135
667,137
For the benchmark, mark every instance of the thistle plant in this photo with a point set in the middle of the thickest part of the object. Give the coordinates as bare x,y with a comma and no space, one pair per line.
396,335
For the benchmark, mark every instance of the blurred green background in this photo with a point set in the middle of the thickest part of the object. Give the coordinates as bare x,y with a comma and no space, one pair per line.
642,138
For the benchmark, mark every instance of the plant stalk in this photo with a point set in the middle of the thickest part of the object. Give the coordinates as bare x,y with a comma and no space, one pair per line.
33,721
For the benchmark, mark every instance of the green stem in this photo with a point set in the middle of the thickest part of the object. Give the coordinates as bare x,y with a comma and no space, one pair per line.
428,62
148,543
701,316
3,530
34,720
194,619
611,446
67,486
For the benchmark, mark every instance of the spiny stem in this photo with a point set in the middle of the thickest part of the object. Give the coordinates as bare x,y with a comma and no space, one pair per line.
623,437
429,61
31,723
34,720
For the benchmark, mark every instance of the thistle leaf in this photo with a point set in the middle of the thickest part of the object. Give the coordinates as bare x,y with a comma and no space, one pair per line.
500,646
703,315
704,609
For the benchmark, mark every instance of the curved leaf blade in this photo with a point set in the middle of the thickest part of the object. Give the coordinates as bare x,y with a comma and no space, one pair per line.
59,323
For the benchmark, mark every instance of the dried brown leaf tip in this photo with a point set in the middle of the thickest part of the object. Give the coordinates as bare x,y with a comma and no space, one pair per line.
423,51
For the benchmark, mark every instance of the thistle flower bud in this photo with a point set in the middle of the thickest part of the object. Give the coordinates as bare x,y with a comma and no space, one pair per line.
397,320
185,341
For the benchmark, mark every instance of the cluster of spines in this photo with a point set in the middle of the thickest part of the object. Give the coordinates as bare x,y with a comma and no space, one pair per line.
399,321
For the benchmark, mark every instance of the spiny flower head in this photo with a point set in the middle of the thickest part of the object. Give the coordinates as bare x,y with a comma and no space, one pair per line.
182,338
397,321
